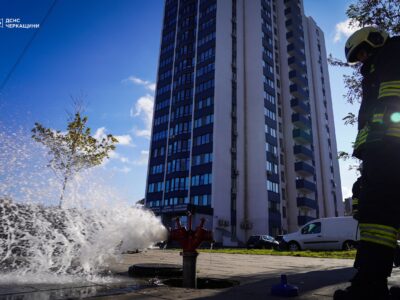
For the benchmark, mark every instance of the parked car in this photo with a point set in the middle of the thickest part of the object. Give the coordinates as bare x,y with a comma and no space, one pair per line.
324,234
262,242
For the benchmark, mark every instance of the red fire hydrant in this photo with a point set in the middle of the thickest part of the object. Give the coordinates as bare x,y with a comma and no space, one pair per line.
189,241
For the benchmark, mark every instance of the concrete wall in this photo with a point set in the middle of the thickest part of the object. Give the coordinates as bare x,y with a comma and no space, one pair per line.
256,192
221,185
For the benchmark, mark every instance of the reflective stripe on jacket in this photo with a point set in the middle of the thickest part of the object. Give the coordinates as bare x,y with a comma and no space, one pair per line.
378,234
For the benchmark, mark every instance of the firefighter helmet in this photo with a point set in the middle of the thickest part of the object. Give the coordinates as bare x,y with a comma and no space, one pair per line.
368,38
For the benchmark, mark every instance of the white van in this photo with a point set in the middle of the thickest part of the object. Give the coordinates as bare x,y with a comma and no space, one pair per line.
324,234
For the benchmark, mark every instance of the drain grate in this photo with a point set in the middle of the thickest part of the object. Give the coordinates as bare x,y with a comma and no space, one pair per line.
154,269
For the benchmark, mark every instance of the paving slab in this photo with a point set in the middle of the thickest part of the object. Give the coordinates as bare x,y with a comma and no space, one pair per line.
316,278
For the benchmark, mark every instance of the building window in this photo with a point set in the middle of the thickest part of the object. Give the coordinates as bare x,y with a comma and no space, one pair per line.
201,200
269,97
270,114
203,179
272,186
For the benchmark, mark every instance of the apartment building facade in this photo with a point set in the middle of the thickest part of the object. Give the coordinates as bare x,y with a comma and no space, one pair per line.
243,130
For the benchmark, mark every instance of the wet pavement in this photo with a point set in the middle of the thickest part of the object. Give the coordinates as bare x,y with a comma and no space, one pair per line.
78,290
316,278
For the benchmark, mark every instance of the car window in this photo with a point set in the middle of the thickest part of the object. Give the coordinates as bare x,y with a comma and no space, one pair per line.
312,228
269,238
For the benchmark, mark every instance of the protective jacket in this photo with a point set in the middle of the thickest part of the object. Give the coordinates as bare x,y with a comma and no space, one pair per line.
356,197
379,115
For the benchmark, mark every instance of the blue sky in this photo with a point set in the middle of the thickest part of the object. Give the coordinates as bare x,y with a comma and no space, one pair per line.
107,51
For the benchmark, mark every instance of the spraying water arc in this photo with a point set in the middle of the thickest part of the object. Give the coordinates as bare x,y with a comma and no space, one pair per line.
40,242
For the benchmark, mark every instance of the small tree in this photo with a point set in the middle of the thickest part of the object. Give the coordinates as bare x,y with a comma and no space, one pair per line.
74,150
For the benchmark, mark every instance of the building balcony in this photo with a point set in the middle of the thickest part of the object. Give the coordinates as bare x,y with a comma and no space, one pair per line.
297,64
274,217
298,78
302,137
302,152
300,106
298,43
265,6
294,21
287,11
266,58
296,35
294,50
298,91
289,23
301,220
301,121
264,16
268,46
305,186
292,9
265,29
303,169
305,202
293,5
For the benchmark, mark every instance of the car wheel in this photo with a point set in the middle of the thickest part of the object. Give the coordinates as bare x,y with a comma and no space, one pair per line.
348,245
293,246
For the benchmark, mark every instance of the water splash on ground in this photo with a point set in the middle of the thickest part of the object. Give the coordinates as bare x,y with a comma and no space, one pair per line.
40,242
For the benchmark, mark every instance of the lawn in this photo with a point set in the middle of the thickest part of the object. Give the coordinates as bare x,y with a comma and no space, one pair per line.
321,254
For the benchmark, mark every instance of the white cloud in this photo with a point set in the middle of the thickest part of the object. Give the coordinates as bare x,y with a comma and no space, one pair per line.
124,169
143,159
124,159
144,108
147,84
100,133
344,29
142,133
119,157
113,155
123,140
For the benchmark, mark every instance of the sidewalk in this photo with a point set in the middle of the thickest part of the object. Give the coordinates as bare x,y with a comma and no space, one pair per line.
316,278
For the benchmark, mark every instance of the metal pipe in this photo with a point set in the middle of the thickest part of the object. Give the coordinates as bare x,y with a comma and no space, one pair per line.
189,269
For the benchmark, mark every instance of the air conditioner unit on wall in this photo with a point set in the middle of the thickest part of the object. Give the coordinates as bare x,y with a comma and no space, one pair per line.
223,223
246,225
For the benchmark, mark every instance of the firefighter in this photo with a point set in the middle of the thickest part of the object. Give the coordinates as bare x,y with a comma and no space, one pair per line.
355,198
378,146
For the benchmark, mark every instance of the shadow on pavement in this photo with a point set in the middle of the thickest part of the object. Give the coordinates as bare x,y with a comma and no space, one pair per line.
312,285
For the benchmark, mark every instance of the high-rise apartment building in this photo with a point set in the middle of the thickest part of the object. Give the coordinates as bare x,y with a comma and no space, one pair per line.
243,130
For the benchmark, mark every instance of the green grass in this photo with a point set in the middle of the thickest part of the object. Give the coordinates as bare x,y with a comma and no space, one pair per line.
320,254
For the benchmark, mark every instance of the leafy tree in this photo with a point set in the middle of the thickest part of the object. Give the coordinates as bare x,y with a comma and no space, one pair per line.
382,13
74,150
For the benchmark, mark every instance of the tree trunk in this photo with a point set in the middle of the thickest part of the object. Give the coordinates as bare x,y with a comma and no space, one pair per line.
63,191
